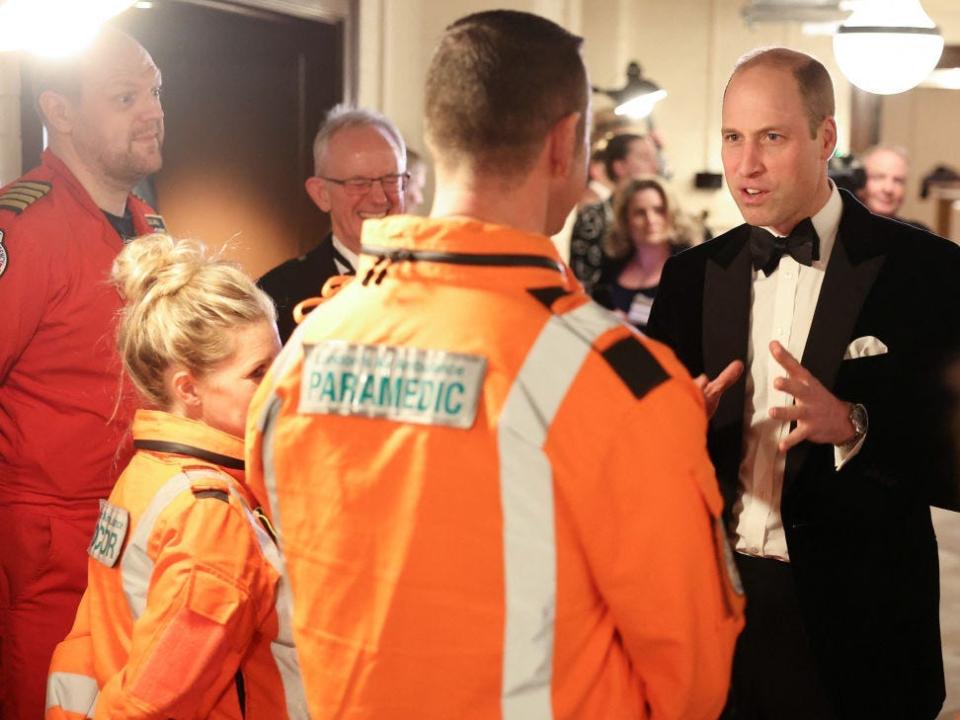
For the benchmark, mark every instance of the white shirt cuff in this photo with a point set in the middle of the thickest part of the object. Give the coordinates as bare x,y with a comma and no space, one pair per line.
843,455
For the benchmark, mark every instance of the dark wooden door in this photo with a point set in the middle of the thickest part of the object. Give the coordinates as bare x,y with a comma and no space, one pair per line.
244,92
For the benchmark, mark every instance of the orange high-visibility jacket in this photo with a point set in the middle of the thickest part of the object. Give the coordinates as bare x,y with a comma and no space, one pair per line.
493,498
184,615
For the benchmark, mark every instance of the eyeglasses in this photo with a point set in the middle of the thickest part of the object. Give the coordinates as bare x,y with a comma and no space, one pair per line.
392,184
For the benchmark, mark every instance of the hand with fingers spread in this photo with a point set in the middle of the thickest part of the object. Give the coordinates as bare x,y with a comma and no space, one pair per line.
714,389
821,417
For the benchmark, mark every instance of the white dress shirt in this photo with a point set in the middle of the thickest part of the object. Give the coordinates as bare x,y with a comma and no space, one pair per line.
781,308
347,254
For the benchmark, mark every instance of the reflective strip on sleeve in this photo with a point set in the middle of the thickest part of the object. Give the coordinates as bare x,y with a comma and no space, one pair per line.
136,567
526,493
281,647
72,692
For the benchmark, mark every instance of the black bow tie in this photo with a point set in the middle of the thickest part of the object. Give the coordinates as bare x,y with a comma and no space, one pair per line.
802,244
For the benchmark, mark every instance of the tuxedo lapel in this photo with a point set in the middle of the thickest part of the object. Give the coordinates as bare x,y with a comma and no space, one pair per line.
726,323
854,264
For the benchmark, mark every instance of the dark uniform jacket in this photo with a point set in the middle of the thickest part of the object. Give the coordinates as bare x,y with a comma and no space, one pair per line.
298,279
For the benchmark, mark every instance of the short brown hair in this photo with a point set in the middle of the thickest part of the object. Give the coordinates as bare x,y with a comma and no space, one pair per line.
813,80
618,148
497,84
618,244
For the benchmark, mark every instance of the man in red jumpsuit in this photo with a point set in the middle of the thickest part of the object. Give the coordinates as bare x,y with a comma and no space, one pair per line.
63,423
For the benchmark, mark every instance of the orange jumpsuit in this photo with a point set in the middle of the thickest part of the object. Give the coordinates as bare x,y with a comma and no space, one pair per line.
184,614
493,498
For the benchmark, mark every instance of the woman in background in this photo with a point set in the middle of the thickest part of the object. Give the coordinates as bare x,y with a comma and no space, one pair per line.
182,616
648,228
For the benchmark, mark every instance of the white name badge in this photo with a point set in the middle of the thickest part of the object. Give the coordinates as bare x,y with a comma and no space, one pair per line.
112,526
410,385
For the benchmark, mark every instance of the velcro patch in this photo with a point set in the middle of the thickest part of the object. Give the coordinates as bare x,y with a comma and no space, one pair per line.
155,222
409,385
111,531
3,256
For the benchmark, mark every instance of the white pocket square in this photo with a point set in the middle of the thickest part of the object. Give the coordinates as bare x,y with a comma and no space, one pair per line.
866,346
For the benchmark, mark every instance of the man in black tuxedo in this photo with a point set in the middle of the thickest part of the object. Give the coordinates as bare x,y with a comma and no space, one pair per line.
831,445
359,172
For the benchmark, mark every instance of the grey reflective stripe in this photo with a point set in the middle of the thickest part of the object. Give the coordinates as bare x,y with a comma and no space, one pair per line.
267,427
136,567
281,647
72,692
526,498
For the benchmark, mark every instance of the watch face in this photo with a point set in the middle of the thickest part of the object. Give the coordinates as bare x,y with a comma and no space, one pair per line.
858,416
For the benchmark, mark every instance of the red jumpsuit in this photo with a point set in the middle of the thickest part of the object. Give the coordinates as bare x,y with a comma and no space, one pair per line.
62,432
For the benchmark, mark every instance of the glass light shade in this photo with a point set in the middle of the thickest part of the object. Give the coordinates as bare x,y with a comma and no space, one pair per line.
54,28
888,46
641,106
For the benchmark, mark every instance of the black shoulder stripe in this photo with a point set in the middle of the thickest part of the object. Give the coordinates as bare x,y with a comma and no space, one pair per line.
215,494
634,364
547,296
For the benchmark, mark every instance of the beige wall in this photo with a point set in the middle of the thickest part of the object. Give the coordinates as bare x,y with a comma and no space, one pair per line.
688,46
9,118
691,59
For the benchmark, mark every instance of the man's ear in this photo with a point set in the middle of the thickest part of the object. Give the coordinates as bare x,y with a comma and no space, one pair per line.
829,130
564,143
319,192
183,388
58,111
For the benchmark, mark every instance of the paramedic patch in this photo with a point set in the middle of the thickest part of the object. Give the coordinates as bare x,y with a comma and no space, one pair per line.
410,385
3,256
110,533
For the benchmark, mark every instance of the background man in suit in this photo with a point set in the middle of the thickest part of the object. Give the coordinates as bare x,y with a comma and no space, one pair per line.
887,168
827,463
359,172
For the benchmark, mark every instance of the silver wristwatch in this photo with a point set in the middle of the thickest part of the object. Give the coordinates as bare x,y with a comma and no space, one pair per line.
858,418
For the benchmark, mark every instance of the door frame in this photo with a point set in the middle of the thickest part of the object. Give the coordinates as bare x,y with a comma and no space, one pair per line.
341,12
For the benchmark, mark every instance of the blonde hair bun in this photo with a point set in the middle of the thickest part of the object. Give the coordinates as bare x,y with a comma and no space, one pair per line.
157,263
182,309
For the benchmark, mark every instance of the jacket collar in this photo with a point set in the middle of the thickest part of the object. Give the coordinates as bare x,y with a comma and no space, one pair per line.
158,431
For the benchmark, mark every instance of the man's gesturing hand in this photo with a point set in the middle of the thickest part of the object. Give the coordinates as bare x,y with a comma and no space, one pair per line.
713,389
820,416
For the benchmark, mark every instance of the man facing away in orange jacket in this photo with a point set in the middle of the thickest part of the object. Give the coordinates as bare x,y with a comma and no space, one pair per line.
494,499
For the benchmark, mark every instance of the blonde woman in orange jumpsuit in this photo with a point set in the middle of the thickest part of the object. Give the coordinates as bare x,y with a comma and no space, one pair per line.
183,616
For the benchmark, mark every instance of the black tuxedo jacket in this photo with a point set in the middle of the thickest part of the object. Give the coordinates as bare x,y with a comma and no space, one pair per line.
298,279
860,539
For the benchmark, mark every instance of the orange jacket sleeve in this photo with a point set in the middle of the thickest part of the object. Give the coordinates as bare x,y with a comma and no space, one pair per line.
660,561
206,598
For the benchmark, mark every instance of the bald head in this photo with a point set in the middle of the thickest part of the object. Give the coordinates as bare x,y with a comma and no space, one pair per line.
102,110
110,50
813,80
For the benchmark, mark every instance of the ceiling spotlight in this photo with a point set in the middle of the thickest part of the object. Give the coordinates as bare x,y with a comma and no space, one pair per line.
888,46
637,98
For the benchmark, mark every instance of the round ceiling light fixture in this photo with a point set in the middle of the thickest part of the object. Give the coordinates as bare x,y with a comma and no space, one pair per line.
637,98
887,46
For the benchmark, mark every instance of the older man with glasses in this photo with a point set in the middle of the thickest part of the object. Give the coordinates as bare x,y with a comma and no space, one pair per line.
359,173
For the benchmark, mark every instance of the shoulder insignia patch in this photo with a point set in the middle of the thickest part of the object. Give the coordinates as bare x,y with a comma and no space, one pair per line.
19,196
3,255
634,364
215,494
108,537
155,222
547,296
